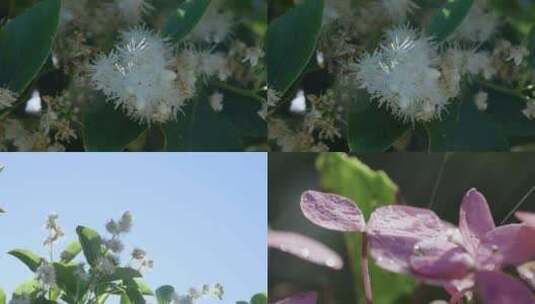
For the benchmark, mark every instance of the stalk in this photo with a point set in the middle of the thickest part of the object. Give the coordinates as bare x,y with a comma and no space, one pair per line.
364,269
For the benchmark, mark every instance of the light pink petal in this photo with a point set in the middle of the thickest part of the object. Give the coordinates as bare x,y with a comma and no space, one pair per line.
475,219
440,261
499,288
527,217
305,248
302,298
394,230
507,245
332,211
527,273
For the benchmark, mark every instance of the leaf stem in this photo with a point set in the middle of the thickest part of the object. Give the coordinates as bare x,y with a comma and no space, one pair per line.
501,89
364,269
240,91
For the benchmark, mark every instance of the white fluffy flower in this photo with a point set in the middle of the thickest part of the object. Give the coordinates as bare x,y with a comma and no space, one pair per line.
181,299
478,25
403,75
7,98
215,25
253,55
54,230
138,254
335,9
125,222
216,101
398,10
132,10
529,111
480,99
137,76
46,275
517,54
114,244
106,265
214,64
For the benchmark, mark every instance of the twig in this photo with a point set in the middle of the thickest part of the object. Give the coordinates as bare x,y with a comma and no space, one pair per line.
239,91
515,208
438,180
364,269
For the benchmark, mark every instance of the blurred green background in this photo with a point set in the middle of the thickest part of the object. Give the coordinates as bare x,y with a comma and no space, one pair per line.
504,178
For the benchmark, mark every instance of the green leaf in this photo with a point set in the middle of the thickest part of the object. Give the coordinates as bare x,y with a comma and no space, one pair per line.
27,257
291,41
68,281
370,128
349,177
71,251
242,112
91,242
506,109
448,18
200,128
164,294
125,299
464,129
143,287
259,299
106,128
123,273
184,18
133,292
2,296
28,288
531,47
26,42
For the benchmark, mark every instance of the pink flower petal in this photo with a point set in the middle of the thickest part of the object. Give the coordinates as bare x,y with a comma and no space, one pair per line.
394,230
499,288
440,261
332,211
527,217
475,219
304,248
302,298
507,245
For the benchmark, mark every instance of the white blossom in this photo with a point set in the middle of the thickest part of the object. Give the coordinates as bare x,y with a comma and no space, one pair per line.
46,274
517,54
7,98
216,101
132,10
335,9
214,64
138,254
253,55
480,99
138,77
54,230
403,75
529,111
106,264
114,244
398,10
215,25
479,24
125,222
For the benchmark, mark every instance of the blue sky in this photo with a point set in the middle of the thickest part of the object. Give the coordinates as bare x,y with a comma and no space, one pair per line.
201,217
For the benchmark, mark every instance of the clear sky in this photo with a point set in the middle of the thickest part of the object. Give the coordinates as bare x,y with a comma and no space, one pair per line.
201,217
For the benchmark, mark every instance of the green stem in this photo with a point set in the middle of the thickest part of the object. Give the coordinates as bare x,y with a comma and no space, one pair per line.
239,91
501,89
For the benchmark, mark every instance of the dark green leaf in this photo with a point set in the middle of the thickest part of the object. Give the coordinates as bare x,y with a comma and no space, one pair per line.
71,251
243,113
200,128
123,273
164,294
91,243
291,42
448,18
531,46
143,287
133,292
259,299
29,258
371,129
184,18
107,128
68,281
25,43
507,109
464,129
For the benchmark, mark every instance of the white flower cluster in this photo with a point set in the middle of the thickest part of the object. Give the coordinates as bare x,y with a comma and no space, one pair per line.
479,25
54,230
215,25
132,10
46,275
215,291
7,98
138,76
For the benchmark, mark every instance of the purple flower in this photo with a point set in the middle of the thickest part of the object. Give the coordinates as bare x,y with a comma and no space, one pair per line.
417,242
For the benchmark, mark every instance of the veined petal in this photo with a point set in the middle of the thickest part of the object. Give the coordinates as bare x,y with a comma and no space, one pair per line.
305,248
332,211
394,230
440,260
475,219
527,217
499,288
302,298
507,245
